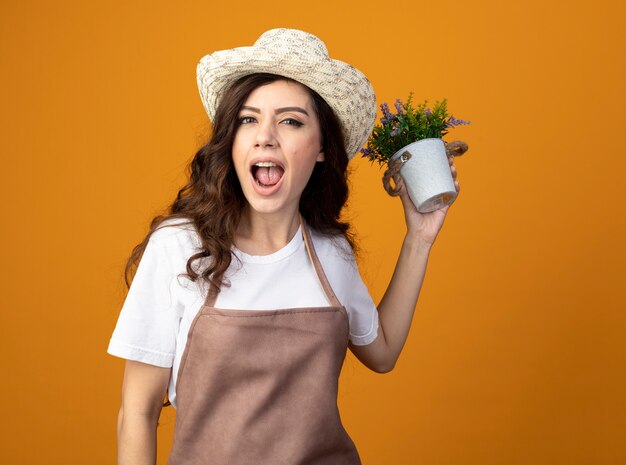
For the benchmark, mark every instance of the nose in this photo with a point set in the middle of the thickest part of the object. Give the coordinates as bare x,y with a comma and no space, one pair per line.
265,136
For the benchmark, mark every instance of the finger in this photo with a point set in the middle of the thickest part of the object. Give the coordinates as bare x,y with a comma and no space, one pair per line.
404,196
407,203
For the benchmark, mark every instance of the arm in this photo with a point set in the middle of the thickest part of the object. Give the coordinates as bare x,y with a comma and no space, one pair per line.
395,310
143,392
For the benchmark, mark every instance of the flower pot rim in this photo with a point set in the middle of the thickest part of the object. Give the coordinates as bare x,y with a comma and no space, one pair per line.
399,152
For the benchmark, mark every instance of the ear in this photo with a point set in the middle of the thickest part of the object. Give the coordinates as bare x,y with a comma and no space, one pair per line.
320,156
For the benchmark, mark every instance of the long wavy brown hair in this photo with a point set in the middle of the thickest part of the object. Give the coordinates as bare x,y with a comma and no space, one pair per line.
213,201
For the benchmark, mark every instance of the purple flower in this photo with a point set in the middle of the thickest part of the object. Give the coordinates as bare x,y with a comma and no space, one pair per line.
452,121
427,112
399,106
366,152
395,132
387,116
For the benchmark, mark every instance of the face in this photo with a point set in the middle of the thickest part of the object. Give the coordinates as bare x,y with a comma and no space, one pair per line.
276,146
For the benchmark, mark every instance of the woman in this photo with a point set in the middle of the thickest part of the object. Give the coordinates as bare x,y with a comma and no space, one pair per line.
247,294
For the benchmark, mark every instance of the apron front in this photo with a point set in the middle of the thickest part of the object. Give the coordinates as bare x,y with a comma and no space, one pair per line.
260,386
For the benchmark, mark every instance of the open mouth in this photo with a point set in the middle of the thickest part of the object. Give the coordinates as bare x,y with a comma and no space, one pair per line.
267,173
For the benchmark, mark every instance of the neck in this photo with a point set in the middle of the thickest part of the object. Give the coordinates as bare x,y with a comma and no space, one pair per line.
266,233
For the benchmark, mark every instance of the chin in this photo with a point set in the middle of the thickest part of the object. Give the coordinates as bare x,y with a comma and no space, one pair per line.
270,205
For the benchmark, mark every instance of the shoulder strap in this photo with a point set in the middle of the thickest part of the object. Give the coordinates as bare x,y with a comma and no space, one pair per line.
211,296
310,248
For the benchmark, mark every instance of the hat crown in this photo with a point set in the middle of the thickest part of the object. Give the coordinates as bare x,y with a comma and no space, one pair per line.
304,58
292,40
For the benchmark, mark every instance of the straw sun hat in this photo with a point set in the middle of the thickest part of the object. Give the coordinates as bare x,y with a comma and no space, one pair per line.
304,58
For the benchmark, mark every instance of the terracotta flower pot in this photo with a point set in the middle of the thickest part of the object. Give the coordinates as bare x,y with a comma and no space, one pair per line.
426,174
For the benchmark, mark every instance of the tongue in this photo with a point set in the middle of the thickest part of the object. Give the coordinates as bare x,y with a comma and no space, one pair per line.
269,175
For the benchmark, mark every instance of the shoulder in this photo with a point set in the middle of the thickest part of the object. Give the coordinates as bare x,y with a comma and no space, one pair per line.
172,244
334,248
176,233
167,253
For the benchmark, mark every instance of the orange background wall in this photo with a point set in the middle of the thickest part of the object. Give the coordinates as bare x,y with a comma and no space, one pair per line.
517,354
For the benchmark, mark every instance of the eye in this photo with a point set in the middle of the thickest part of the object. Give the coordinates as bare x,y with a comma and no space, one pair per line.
246,119
292,122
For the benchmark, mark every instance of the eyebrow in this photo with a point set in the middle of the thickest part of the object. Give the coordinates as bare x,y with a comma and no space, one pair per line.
278,110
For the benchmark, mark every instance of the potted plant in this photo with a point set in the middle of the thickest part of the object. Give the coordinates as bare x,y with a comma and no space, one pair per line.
409,142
